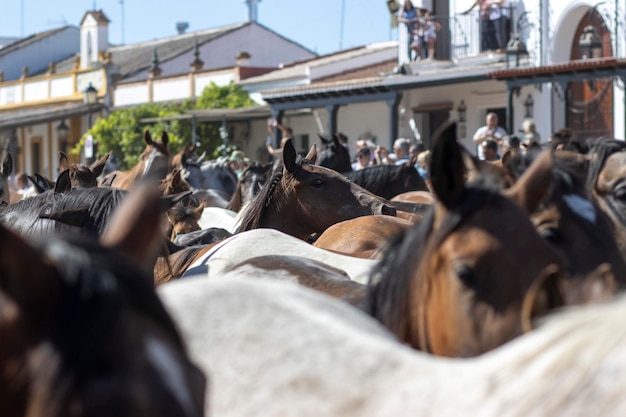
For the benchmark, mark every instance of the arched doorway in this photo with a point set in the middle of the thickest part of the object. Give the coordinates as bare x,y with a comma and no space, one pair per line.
590,102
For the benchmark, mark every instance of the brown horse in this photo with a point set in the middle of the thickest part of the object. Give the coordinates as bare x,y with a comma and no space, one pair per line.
305,199
155,160
83,331
363,237
81,175
473,274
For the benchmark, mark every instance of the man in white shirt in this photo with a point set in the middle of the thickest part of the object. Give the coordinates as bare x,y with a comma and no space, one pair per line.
490,131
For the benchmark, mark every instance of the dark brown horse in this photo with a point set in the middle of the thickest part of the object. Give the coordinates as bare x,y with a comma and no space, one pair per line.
154,161
606,183
474,273
305,199
81,175
574,224
388,181
252,180
83,331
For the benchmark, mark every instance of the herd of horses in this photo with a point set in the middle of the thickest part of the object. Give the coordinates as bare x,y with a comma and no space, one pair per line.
317,291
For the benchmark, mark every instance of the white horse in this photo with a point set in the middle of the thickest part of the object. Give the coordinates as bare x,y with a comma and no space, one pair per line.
262,242
218,217
273,349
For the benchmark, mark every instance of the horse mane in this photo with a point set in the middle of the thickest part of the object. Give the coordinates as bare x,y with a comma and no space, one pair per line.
173,266
100,203
97,284
602,149
390,285
254,213
251,217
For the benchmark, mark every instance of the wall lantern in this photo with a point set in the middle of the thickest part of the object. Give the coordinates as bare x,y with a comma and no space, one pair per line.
516,52
63,131
528,106
461,109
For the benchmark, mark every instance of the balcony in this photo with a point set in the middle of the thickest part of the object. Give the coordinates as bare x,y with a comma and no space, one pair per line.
465,38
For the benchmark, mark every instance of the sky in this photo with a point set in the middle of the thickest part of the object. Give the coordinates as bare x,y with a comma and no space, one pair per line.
317,25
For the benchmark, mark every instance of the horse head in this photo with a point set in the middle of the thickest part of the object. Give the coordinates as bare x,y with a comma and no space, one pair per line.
83,329
156,157
334,155
576,226
473,274
306,198
606,185
249,184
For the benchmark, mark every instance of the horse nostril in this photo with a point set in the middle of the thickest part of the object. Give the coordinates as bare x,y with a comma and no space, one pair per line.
388,210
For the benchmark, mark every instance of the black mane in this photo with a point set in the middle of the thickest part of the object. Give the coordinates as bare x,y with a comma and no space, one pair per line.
100,202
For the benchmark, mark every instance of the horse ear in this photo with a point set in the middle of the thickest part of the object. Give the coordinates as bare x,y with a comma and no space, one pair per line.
165,138
76,218
7,165
37,186
532,187
43,182
446,167
63,182
312,155
64,162
109,181
147,137
168,201
98,166
323,139
134,227
289,156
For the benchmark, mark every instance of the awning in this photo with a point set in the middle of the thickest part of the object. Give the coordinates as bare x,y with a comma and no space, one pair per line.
217,115
38,115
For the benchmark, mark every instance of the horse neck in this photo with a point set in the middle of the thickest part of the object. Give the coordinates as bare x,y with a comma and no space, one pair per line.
284,213
125,179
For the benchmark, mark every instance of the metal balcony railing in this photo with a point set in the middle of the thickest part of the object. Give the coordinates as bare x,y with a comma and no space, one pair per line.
458,36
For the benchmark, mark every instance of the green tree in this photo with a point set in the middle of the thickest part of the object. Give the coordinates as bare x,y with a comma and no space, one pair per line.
121,132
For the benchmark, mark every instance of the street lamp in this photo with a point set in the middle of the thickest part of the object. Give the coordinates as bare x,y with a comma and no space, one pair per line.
528,106
90,97
461,109
63,132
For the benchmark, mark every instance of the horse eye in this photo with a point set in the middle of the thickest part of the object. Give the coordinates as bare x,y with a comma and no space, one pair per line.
468,276
318,182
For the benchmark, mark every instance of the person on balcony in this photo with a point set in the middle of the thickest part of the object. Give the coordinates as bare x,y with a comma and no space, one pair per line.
408,15
492,24
430,34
